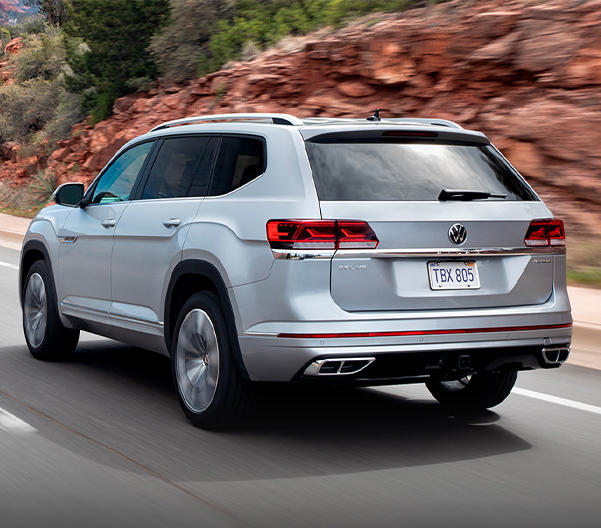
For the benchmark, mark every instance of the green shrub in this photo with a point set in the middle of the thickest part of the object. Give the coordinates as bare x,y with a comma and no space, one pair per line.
26,107
42,56
66,114
31,25
4,37
42,185
102,108
38,105
180,49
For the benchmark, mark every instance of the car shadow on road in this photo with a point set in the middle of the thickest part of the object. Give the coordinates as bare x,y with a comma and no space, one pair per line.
123,398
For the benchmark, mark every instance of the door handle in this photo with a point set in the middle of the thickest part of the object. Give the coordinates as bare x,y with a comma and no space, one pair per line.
109,223
172,222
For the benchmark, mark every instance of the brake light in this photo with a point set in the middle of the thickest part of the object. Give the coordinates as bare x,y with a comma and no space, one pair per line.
410,133
545,233
320,234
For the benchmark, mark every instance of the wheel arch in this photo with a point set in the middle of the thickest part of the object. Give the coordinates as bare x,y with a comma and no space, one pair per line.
32,252
190,277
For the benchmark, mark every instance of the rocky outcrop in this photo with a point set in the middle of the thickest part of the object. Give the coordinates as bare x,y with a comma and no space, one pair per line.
7,72
526,74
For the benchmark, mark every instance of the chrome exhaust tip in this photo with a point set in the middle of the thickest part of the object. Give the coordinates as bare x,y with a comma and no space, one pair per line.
556,355
338,366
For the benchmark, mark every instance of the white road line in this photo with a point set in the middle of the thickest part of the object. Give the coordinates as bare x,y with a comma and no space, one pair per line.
559,401
7,265
11,423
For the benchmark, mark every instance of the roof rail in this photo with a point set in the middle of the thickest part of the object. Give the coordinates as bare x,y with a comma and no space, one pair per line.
423,121
277,119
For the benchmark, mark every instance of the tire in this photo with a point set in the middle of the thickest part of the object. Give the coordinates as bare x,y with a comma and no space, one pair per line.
45,335
210,390
481,390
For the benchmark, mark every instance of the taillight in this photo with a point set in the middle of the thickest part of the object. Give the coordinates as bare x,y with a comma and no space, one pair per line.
355,235
311,234
320,234
545,233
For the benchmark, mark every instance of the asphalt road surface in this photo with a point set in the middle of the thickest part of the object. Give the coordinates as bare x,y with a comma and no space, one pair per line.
100,441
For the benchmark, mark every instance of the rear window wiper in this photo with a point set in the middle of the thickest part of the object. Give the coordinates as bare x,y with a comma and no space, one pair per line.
466,196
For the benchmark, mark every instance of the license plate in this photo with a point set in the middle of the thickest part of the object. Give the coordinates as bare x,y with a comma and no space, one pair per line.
454,275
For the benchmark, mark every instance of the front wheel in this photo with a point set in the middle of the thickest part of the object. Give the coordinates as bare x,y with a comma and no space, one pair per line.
45,335
481,390
209,387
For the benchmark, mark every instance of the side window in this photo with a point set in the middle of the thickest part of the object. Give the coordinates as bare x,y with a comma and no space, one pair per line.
117,182
240,161
174,167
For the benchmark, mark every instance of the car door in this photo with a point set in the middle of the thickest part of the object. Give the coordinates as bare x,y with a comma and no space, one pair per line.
151,233
87,240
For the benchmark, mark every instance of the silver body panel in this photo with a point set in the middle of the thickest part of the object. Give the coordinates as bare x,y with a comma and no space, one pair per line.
114,281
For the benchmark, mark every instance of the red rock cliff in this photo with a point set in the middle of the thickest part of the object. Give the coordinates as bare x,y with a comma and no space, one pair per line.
527,75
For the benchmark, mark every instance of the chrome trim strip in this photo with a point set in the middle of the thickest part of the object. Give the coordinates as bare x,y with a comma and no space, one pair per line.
77,310
438,253
257,334
300,254
67,239
135,320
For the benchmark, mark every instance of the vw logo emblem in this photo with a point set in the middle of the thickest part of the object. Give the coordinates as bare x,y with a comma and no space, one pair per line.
457,234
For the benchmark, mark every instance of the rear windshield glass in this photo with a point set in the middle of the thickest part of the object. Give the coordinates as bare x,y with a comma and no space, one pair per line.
374,171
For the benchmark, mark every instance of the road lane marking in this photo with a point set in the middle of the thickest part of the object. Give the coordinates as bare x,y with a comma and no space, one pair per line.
11,423
559,401
7,265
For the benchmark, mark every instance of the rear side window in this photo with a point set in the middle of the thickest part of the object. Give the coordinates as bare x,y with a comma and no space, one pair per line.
240,160
374,171
175,166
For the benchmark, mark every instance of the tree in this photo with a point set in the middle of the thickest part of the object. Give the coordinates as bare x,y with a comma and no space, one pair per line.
181,48
106,45
54,11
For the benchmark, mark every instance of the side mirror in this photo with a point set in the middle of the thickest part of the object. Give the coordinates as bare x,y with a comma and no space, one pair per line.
69,194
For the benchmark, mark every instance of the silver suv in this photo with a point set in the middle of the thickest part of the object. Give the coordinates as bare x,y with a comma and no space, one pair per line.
265,248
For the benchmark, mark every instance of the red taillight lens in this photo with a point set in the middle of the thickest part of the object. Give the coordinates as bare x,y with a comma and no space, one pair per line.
557,235
320,234
355,235
312,234
545,233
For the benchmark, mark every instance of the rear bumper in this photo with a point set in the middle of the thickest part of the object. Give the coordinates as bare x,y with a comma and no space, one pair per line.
518,345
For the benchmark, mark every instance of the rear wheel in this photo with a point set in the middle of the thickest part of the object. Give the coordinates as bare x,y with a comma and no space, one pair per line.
45,335
209,387
481,390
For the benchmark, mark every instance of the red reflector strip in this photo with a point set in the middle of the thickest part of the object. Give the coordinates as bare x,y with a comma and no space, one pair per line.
426,332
